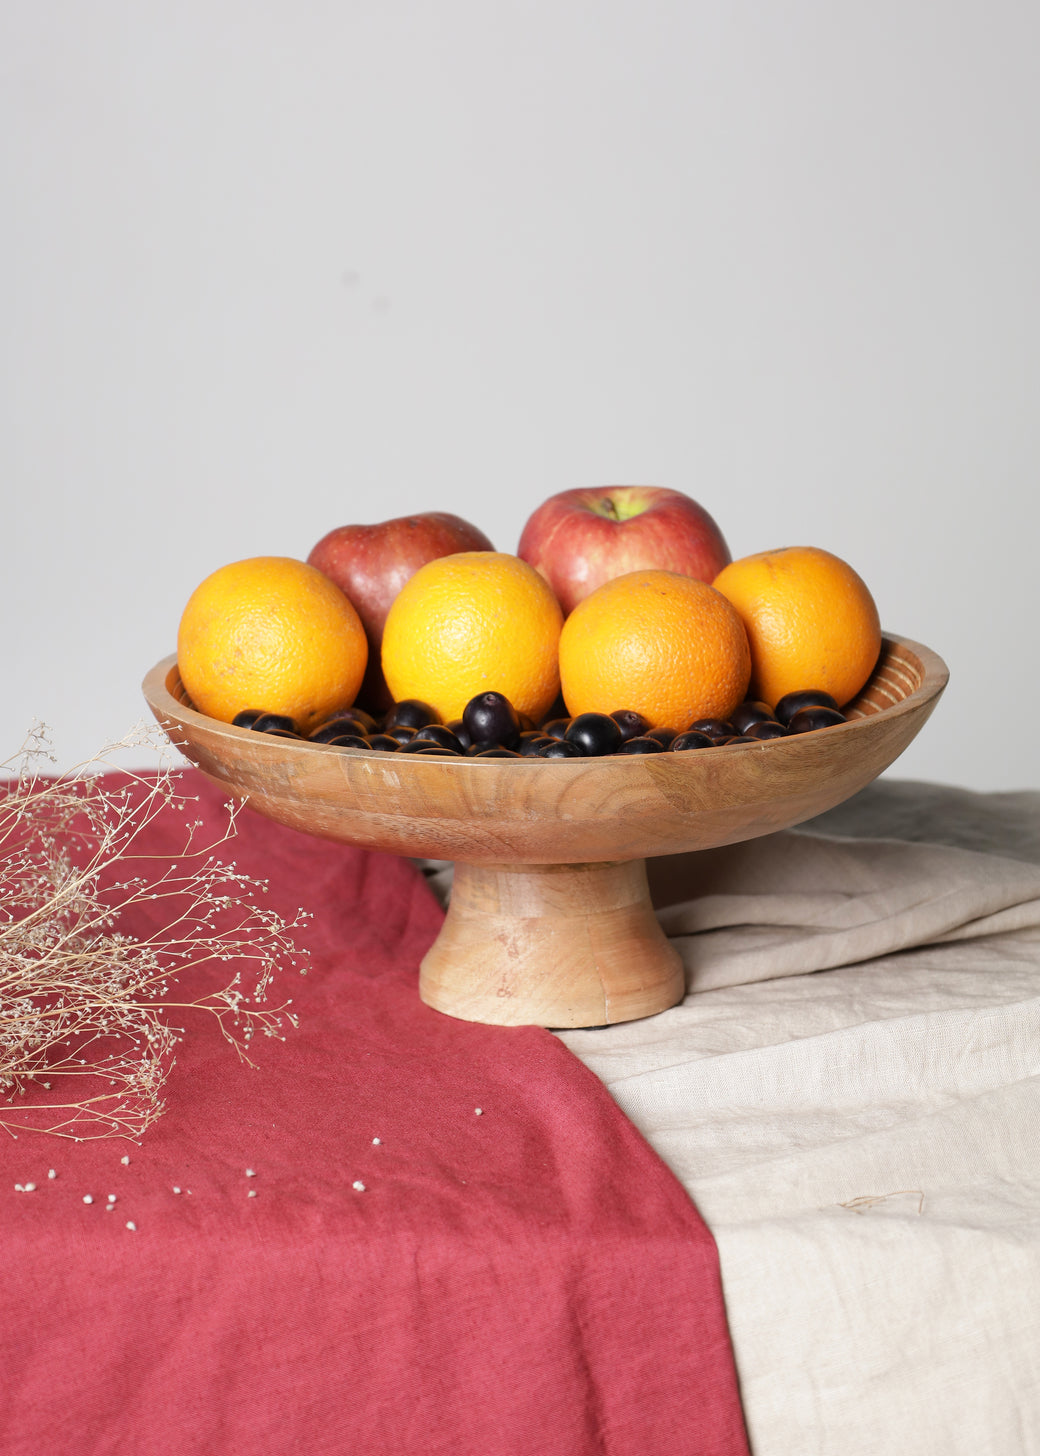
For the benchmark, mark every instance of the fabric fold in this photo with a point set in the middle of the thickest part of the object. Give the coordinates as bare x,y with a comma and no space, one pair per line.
850,1091
793,903
451,1240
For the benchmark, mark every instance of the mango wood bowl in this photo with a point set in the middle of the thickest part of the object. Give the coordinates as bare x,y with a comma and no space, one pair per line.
550,920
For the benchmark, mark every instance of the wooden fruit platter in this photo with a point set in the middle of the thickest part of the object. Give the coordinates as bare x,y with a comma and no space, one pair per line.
550,921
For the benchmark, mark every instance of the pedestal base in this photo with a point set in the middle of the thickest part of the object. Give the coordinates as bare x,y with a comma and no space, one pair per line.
551,945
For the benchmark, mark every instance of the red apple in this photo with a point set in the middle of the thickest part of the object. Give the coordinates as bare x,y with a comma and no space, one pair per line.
581,538
371,564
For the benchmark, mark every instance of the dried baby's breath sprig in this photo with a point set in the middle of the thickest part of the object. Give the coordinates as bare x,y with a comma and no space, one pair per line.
86,1040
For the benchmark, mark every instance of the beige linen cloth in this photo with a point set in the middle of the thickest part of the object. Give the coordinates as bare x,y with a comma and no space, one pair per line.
850,1093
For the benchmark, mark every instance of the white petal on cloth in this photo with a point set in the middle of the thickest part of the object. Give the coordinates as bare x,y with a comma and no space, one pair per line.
851,1095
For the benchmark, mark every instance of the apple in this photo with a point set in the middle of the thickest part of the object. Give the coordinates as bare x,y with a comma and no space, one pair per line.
581,538
370,564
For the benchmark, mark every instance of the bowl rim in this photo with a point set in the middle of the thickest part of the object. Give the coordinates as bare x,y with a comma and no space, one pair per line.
934,678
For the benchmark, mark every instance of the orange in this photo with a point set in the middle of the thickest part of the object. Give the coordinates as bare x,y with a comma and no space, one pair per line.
665,645
474,622
810,620
271,633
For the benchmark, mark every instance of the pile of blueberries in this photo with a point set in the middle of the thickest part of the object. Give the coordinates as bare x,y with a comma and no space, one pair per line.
490,727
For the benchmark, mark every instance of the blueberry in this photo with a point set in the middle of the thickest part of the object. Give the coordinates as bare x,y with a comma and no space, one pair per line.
691,739
631,723
751,711
766,728
409,713
595,734
642,744
491,718
790,703
816,716
560,748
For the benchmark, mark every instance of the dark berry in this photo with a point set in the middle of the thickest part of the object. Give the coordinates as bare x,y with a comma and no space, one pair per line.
595,734
496,751
766,728
384,742
400,732
714,727
642,744
440,735
730,738
347,740
274,723
330,730
560,748
247,717
556,727
750,712
348,722
459,729
530,743
491,718
409,713
631,723
691,739
790,703
664,736
808,719
428,745
363,722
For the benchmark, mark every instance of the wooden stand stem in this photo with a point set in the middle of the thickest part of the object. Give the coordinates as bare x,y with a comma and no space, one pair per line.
551,945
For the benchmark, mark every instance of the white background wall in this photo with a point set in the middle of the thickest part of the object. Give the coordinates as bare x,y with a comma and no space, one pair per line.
266,268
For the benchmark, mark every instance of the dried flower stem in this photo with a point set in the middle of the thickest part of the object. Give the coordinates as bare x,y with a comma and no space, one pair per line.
84,1004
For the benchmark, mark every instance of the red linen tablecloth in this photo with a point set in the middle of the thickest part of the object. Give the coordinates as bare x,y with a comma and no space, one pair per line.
530,1279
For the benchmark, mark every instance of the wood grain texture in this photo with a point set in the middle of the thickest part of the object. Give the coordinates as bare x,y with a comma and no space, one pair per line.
542,813
560,811
557,945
